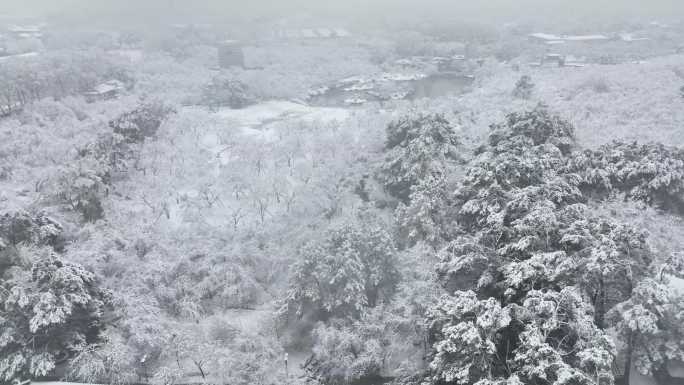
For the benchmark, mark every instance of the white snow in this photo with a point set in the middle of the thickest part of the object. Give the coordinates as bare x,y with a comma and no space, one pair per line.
271,111
19,56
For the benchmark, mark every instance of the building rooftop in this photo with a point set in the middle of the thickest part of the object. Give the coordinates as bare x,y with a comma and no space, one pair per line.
106,87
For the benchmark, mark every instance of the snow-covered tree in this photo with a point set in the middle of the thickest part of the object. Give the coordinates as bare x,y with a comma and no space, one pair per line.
651,324
20,227
533,247
141,123
418,148
523,87
47,315
353,268
466,331
652,173
429,215
226,92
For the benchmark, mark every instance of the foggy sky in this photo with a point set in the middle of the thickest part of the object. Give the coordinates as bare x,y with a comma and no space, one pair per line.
346,8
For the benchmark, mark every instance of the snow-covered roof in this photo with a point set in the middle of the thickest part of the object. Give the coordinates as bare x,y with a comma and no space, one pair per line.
585,37
355,101
308,33
106,87
324,32
24,28
545,36
26,35
19,56
341,32
628,37
399,77
555,38
361,86
574,59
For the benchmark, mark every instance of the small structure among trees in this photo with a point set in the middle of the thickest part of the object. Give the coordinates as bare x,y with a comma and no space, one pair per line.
105,91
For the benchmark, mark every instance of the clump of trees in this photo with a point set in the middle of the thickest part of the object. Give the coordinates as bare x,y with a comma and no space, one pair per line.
353,268
226,92
536,281
200,285
141,123
83,185
652,173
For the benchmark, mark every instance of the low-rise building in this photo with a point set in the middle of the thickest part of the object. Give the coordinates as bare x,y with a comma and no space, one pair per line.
25,31
104,91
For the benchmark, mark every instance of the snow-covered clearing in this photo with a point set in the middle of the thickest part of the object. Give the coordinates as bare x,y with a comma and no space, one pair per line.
261,114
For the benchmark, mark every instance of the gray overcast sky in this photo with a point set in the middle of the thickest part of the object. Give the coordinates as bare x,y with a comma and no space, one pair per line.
484,8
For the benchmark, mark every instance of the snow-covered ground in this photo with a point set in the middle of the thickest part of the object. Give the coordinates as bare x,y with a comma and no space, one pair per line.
19,56
277,110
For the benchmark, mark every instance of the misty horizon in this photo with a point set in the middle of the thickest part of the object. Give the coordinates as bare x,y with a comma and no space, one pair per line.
491,10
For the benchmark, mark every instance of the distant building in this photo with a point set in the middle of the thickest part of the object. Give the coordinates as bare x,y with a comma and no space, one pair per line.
341,32
554,59
25,31
551,39
230,54
311,33
324,33
628,37
573,61
586,38
104,91
543,37
308,33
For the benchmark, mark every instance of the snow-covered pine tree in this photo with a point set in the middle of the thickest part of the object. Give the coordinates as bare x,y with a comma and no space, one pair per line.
417,148
47,315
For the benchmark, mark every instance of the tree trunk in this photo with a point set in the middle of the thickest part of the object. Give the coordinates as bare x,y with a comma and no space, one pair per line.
600,305
624,380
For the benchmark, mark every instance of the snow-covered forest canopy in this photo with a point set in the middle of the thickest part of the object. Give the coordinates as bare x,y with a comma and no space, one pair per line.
328,198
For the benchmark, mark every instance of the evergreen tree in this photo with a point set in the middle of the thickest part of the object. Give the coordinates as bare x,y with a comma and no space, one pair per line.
47,315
